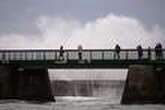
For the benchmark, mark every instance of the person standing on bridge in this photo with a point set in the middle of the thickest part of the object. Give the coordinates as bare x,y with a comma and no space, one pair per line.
61,53
117,52
158,51
149,53
140,52
80,52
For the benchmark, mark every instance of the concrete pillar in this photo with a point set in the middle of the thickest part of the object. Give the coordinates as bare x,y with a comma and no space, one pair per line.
144,84
161,81
25,84
5,85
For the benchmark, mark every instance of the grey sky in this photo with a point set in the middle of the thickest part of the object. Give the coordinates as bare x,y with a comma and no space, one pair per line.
19,16
18,20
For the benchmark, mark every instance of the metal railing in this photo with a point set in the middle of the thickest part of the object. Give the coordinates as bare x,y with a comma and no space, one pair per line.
72,54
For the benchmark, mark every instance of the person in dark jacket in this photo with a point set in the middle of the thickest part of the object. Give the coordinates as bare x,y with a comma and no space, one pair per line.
140,51
80,52
158,51
149,53
61,53
117,52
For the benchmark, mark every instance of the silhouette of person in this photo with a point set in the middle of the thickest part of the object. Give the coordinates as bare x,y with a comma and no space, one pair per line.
149,53
158,51
140,52
61,53
80,52
117,52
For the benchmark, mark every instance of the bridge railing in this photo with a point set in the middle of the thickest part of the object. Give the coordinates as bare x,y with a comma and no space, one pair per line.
71,54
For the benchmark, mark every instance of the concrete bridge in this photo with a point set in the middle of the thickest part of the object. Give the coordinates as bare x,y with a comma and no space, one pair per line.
24,73
90,58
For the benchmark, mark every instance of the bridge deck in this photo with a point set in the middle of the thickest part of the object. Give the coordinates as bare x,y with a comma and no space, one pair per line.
98,58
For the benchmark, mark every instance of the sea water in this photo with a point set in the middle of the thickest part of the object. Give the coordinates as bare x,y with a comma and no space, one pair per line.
104,98
78,103
107,102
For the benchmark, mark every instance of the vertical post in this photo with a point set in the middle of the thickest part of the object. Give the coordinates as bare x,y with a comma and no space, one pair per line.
114,54
8,55
21,56
14,56
3,56
149,54
90,53
32,55
44,55
102,55
67,55
55,57
25,56
39,54
126,55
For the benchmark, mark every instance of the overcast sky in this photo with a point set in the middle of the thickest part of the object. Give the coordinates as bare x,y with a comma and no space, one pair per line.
50,23
91,23
19,16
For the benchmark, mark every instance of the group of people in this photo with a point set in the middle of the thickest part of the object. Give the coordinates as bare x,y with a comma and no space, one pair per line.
61,53
158,52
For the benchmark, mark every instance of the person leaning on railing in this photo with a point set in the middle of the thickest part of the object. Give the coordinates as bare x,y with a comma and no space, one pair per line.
80,52
61,57
140,51
117,52
158,51
149,53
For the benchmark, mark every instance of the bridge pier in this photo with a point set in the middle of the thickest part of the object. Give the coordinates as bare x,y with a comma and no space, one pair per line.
5,83
144,85
25,84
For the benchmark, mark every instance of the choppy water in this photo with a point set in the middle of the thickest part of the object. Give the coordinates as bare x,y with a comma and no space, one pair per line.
109,99
78,103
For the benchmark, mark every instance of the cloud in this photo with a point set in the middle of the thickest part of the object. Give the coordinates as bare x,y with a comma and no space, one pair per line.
104,32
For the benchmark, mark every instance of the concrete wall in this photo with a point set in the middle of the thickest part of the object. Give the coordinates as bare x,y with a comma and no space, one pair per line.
91,88
26,84
5,85
144,84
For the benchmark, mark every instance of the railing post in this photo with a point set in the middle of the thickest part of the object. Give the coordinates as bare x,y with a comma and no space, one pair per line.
3,57
25,56
90,55
8,55
32,55
55,57
114,54
67,55
21,56
102,55
14,55
149,54
126,55
39,55
44,55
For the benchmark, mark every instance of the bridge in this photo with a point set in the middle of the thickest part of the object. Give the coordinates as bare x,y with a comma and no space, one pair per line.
24,73
91,58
